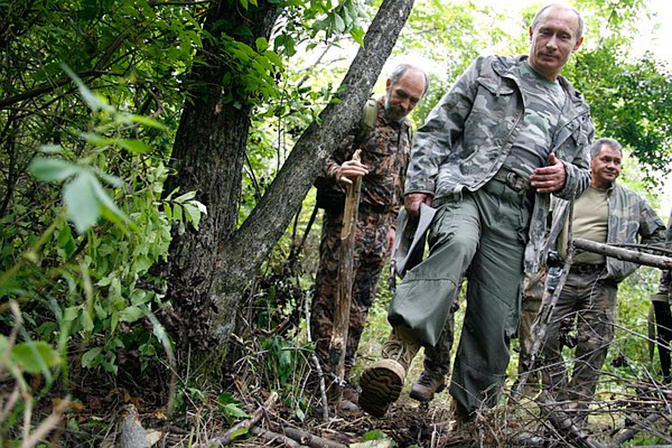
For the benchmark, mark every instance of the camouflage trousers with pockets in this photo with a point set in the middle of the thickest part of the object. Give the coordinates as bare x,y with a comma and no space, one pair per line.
590,304
369,259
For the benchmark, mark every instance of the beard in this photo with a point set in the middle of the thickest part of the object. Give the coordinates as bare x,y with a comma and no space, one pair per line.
396,114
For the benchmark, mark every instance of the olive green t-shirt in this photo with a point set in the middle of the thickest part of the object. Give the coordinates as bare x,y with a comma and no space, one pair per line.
591,222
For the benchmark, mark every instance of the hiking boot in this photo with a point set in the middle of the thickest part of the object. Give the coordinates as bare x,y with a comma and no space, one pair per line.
462,416
428,384
382,382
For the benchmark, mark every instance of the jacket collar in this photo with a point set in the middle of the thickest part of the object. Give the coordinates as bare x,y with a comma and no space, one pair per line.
509,68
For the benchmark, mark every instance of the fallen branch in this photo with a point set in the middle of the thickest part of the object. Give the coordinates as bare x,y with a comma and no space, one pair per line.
632,432
305,438
657,261
272,437
47,424
563,423
242,427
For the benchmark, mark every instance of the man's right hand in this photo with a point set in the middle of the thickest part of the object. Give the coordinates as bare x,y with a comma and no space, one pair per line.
412,202
349,171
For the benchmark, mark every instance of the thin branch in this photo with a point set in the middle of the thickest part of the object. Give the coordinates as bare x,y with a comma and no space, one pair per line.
47,424
45,88
232,433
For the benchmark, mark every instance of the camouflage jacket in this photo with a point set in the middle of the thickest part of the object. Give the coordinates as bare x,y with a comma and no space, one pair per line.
631,221
666,276
470,132
385,152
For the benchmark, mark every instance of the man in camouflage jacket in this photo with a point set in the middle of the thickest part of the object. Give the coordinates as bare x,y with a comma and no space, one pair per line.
509,132
661,302
384,159
605,213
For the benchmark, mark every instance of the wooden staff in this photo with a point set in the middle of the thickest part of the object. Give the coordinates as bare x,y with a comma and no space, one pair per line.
339,335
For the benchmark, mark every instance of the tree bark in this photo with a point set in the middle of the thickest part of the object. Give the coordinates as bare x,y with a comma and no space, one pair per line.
207,157
211,268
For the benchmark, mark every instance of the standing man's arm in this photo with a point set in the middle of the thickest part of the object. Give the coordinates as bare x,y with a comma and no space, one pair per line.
652,229
567,179
435,140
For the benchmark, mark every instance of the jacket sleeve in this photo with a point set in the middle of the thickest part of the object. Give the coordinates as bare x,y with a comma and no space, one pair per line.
651,228
436,139
578,170
665,288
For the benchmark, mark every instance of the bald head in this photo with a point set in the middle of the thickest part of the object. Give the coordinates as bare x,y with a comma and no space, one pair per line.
405,88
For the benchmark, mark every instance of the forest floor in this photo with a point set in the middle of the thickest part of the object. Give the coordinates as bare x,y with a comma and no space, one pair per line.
267,399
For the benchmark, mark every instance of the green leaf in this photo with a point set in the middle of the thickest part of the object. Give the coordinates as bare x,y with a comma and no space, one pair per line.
239,432
52,170
97,139
375,434
185,197
34,356
81,201
131,314
87,322
193,214
95,102
147,121
71,313
66,241
51,149
273,57
339,24
135,146
91,357
261,44
113,181
109,208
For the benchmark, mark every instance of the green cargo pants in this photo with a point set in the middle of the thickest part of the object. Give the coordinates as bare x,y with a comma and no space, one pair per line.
481,237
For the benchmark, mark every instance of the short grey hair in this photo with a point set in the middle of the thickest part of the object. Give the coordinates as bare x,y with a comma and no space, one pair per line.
537,17
399,71
596,149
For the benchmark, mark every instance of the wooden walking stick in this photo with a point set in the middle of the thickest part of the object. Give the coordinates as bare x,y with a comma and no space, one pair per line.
339,335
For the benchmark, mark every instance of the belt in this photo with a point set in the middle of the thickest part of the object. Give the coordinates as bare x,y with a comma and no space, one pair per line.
586,268
512,179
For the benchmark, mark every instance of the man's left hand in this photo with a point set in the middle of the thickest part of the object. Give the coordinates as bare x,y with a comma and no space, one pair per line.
390,241
550,178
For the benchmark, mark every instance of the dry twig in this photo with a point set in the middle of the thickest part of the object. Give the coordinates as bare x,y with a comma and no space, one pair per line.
242,427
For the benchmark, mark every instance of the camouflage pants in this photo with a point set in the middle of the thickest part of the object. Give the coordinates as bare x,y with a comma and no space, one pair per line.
533,292
370,252
591,304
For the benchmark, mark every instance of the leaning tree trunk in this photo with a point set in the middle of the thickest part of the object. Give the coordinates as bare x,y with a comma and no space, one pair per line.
209,152
208,156
253,242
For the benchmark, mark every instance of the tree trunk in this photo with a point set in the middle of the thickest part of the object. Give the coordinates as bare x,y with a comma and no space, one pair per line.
208,157
211,269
